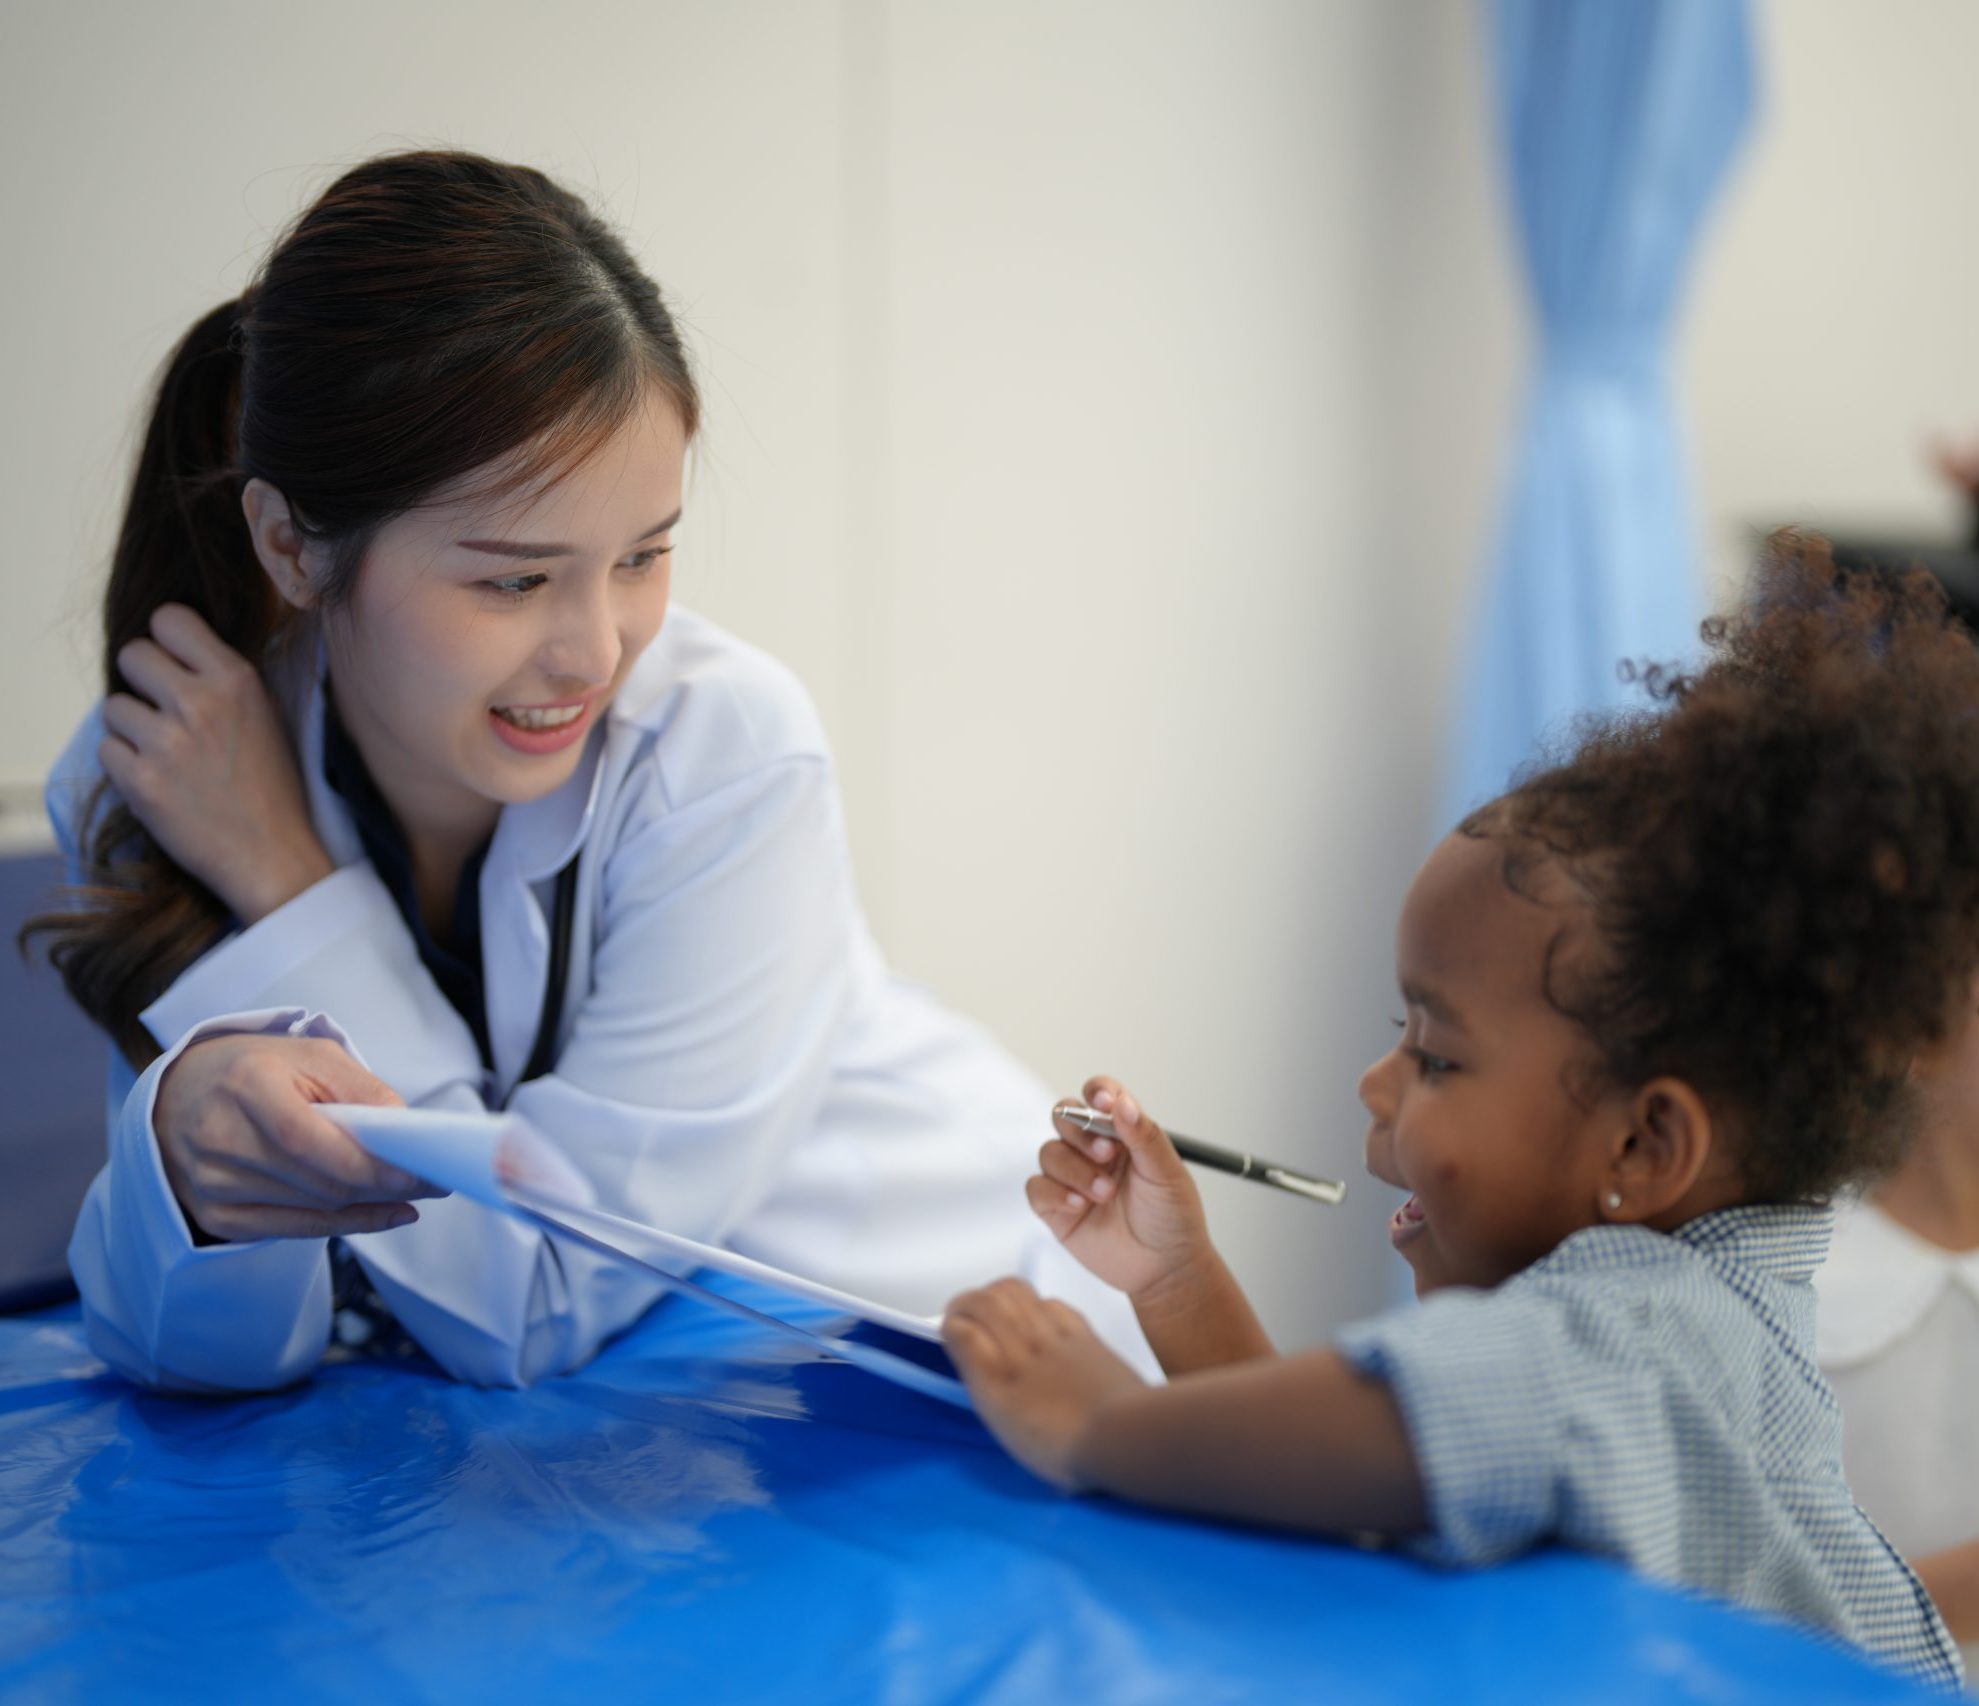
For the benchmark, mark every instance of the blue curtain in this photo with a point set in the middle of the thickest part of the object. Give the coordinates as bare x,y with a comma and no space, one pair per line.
1618,120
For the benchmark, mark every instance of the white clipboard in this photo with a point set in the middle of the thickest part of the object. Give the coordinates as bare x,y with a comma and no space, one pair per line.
504,1163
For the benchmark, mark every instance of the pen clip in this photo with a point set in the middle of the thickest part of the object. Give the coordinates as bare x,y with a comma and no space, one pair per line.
1320,1190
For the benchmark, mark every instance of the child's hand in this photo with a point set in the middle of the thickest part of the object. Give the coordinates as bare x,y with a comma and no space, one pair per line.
1038,1374
1125,1206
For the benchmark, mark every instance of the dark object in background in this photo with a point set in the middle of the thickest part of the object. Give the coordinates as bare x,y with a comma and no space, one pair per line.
52,1071
1955,566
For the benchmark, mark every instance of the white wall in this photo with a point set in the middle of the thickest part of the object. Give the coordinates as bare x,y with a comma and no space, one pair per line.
1833,331
1107,403
1043,353
1138,809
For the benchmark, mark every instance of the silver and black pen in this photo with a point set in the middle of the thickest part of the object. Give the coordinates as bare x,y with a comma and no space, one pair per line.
1215,1156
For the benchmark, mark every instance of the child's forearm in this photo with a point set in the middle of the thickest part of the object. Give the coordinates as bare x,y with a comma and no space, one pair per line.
1952,1578
1199,1318
1303,1442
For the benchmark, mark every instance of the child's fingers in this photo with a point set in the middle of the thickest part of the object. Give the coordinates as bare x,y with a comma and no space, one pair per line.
1058,1208
1146,1143
1090,1143
976,1353
1006,1311
1066,1323
1009,1310
1060,1162
1101,1093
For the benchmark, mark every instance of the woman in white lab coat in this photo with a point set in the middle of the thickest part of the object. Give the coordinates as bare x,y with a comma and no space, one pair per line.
425,475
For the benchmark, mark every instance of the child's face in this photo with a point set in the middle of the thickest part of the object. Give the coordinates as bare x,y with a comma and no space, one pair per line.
1472,1111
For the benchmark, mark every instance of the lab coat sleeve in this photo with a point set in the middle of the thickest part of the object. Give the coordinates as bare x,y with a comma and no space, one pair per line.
158,1308
699,1054
195,1318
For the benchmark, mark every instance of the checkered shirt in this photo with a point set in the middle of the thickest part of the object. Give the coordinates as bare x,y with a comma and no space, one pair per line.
1655,1397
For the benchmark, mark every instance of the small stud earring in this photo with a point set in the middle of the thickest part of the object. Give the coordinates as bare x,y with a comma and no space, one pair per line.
1614,1200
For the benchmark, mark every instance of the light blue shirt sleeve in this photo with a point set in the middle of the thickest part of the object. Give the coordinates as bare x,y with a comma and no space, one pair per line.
1653,1397
1483,1418
1530,1420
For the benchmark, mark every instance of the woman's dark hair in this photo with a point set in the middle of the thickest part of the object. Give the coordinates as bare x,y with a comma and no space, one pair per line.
431,315
1782,867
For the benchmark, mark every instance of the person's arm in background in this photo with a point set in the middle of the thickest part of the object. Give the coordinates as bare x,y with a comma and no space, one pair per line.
1952,1579
1957,462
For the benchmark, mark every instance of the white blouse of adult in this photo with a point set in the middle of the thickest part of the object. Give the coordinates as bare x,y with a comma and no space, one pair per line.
735,1063
1897,1334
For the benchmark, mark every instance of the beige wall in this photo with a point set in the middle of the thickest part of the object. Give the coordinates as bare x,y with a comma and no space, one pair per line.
1107,402
1834,329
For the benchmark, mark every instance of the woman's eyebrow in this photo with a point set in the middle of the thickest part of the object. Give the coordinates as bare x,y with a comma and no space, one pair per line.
1437,1006
536,553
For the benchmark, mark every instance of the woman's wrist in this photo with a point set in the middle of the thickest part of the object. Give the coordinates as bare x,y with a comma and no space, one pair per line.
272,884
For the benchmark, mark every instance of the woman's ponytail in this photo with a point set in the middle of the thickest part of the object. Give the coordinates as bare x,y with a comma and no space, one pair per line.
139,919
435,318
184,539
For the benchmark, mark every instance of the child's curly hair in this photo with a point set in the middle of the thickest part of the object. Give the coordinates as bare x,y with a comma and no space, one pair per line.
1782,865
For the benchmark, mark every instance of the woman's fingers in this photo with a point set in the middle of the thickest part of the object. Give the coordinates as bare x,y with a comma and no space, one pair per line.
133,720
238,1224
181,631
329,1074
313,1142
308,1148
154,672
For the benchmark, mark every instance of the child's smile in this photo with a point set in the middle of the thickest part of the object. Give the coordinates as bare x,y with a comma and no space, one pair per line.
1474,1108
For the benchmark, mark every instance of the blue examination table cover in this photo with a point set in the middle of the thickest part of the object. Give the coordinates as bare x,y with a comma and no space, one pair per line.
710,1513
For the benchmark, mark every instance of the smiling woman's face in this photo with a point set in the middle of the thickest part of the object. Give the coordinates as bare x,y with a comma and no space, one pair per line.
483,640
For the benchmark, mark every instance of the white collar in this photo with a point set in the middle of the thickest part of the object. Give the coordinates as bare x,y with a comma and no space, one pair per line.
1880,1280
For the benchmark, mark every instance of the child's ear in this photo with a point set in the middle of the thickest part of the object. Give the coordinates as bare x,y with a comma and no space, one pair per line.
1666,1147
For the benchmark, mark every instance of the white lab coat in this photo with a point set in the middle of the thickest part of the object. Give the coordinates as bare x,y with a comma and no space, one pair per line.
735,1063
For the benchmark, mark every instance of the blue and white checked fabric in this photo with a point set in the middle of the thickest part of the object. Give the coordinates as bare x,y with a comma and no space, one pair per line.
1655,1397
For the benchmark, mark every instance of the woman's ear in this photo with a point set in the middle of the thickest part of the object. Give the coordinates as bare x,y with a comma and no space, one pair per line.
278,543
1666,1147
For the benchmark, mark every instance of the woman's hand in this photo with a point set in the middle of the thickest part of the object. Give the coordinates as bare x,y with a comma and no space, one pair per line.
200,756
1125,1206
248,1156
1039,1375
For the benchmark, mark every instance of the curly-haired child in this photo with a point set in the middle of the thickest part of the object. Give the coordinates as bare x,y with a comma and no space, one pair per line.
1659,1003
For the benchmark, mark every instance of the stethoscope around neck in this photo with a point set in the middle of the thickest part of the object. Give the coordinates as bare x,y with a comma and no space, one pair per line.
563,916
